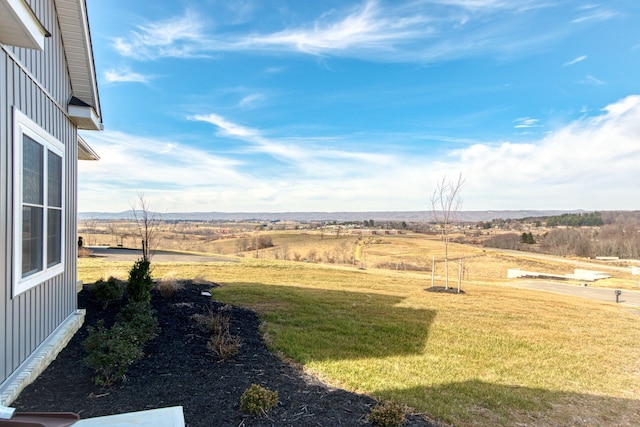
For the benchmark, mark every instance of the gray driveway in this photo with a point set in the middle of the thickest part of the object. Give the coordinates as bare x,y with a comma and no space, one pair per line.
119,254
627,297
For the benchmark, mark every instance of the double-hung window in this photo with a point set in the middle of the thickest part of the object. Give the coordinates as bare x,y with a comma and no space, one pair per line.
38,204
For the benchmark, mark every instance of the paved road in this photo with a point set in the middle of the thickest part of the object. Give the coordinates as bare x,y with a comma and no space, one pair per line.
627,297
113,254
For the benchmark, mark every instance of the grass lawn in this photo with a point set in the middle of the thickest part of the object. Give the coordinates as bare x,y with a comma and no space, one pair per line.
494,356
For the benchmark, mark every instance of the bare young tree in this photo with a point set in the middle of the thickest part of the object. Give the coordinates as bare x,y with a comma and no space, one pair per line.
445,204
89,229
147,223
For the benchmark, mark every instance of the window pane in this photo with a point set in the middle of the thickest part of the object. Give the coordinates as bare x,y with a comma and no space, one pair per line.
31,240
54,172
54,237
32,171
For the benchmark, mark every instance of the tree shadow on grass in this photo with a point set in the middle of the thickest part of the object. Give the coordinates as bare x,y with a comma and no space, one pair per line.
479,403
363,325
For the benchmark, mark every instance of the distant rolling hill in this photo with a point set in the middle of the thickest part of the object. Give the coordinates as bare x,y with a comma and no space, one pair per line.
409,216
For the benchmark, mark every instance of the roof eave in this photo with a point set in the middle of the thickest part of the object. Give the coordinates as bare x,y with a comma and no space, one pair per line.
76,36
20,27
85,117
85,152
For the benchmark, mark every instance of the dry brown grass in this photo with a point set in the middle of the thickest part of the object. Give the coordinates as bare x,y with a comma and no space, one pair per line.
169,284
497,356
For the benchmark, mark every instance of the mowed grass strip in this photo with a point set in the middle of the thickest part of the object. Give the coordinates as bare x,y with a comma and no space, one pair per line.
495,356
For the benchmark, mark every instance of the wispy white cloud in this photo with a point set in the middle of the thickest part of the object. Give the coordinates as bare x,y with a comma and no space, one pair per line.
574,61
585,164
418,31
176,177
180,36
492,5
126,76
250,102
226,127
302,152
526,122
594,13
590,163
131,163
590,80
365,27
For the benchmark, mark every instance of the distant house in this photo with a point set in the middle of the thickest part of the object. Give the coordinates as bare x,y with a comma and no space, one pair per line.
48,91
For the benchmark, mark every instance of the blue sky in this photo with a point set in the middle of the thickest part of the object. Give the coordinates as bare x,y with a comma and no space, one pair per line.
289,105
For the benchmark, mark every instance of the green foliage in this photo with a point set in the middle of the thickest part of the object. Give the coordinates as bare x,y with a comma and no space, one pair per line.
257,399
111,351
140,283
141,320
576,220
527,238
108,291
389,414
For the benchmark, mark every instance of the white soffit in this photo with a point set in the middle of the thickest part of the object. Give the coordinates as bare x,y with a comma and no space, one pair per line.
76,36
19,26
85,152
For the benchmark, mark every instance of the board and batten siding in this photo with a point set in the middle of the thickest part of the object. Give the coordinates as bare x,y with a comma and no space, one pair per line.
36,83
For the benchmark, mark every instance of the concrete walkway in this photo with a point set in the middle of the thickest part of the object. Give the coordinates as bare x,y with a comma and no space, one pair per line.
627,297
163,417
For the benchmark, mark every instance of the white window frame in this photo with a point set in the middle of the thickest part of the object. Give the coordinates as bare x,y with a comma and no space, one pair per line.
23,125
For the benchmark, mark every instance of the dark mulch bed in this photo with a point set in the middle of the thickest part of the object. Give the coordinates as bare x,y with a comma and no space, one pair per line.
444,290
178,370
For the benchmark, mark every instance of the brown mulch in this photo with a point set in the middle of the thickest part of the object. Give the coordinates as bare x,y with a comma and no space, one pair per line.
179,370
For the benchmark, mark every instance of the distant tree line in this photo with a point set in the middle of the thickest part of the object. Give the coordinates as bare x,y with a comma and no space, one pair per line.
619,240
589,219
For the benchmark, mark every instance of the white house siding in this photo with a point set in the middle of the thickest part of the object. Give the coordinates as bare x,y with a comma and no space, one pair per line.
37,83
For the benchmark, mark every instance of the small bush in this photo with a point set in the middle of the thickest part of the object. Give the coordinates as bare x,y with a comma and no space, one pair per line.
222,343
140,283
141,320
389,414
199,279
108,291
84,252
111,351
258,400
224,346
169,285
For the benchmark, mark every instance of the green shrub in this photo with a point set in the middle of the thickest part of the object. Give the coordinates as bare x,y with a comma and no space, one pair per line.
111,351
108,291
140,282
257,399
389,414
141,321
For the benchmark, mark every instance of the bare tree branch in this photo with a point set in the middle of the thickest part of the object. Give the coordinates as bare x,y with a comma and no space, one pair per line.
147,223
445,204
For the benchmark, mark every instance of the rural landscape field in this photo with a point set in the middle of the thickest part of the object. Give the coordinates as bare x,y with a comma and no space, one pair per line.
350,305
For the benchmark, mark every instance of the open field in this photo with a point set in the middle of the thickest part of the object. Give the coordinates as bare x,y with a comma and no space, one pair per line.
408,252
494,356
